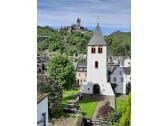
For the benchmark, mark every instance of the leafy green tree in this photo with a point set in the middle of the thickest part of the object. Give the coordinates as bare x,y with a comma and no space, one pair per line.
62,70
49,85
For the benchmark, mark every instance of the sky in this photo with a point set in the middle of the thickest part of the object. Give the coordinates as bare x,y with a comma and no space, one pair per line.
112,15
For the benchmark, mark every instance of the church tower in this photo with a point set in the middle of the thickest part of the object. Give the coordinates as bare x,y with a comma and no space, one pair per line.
96,58
97,66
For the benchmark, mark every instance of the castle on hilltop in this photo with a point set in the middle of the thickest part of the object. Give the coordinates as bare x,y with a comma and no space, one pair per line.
75,27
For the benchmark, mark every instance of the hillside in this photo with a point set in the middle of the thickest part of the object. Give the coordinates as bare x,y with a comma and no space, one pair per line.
45,31
119,43
70,43
63,42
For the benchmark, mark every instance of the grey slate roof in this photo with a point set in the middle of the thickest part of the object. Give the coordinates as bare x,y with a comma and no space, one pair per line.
127,70
97,38
81,68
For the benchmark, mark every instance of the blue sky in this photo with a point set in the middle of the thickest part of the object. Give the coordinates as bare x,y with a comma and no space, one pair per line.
113,14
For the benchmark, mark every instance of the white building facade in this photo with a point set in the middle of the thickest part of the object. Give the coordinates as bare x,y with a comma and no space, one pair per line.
120,76
81,74
42,110
97,66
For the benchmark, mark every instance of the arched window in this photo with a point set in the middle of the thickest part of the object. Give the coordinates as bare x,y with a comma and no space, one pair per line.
96,64
93,50
100,50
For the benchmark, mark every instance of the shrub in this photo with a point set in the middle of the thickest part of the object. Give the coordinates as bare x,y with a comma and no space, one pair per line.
115,117
126,116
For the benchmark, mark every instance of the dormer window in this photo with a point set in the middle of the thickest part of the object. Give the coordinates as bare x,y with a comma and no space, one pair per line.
93,50
100,50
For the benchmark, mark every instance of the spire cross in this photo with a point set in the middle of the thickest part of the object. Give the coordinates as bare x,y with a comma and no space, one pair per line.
98,19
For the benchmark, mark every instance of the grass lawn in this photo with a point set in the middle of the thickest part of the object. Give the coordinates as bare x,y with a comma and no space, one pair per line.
88,107
121,103
69,95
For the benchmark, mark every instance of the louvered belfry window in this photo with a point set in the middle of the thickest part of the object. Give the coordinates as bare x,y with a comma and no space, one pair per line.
100,50
93,50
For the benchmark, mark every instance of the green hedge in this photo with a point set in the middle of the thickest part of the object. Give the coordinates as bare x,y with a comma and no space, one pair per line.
126,116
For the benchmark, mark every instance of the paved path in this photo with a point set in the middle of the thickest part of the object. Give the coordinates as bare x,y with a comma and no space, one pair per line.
103,102
99,104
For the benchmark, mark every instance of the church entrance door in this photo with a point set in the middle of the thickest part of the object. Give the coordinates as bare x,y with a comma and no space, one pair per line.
96,89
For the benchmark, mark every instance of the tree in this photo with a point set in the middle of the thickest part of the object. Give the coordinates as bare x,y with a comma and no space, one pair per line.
62,70
48,85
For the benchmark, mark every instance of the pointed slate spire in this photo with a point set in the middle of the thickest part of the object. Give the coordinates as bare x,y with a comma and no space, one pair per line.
97,38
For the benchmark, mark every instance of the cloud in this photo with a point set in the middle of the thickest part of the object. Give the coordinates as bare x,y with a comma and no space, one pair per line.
112,13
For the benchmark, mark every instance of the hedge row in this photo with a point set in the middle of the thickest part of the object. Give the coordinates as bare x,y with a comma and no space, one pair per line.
126,116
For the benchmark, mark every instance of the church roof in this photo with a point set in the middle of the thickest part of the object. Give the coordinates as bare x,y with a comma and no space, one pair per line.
97,38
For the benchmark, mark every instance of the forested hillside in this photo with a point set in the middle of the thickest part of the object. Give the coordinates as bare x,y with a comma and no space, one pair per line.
70,43
119,43
63,42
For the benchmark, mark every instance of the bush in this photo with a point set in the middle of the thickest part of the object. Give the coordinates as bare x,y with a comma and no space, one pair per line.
126,116
115,117
122,115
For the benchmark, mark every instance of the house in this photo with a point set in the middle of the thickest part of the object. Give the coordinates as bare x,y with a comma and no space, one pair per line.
42,109
81,73
120,75
97,66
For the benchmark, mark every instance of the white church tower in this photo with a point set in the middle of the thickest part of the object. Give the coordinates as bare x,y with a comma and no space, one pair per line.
97,66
